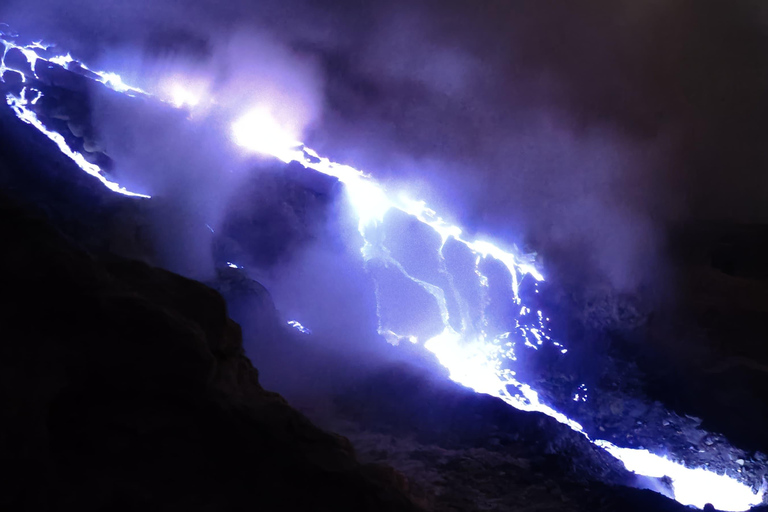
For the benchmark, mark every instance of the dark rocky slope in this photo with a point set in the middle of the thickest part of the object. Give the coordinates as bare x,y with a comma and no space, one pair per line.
125,387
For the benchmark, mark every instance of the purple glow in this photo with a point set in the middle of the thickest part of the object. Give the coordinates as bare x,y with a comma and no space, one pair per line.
473,359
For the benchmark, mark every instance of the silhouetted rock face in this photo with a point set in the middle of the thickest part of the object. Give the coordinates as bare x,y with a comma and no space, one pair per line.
125,387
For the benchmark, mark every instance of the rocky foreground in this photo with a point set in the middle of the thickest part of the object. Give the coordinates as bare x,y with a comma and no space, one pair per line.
126,387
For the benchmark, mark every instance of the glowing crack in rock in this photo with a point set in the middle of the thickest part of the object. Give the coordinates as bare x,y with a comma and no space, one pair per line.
20,106
33,51
473,357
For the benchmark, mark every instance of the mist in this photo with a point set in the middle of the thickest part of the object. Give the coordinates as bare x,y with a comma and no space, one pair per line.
583,131
586,128
184,157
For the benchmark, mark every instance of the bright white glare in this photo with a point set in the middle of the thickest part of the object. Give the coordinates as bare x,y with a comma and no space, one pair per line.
115,82
692,486
368,199
62,60
181,97
259,131
182,91
468,363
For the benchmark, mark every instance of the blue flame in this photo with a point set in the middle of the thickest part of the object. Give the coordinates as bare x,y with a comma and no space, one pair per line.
473,357
23,106
20,106
297,325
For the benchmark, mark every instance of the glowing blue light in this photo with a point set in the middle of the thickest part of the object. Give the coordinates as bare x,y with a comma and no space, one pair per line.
259,131
581,395
111,80
19,106
115,82
477,363
472,360
296,325
62,60
692,486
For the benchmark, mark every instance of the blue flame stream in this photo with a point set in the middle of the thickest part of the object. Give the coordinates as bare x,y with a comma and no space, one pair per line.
473,359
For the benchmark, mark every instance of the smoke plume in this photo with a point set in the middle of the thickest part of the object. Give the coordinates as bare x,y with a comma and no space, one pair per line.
585,128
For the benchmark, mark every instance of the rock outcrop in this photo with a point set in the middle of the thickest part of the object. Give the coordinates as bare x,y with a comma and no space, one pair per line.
125,387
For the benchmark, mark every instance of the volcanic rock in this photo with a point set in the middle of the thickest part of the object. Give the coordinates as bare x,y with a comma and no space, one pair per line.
125,387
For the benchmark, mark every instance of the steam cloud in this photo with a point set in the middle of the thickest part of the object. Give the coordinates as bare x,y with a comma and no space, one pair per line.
585,128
